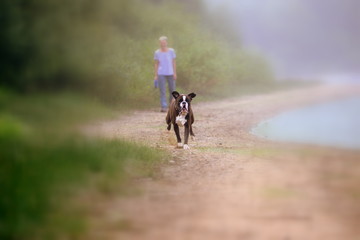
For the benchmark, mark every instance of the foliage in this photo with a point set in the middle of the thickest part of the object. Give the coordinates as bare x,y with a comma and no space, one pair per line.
44,164
37,180
105,49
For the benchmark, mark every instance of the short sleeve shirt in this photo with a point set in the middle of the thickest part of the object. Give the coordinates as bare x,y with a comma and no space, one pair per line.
165,61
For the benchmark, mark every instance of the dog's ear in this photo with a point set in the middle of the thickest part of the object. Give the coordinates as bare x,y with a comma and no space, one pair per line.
192,95
175,94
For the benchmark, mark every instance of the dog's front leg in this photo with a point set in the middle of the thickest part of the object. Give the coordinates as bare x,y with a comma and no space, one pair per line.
177,133
186,136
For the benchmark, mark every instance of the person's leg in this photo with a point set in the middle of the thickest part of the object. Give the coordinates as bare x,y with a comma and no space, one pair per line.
172,86
162,87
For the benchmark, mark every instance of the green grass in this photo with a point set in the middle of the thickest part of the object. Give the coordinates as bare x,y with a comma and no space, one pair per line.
53,112
37,178
45,162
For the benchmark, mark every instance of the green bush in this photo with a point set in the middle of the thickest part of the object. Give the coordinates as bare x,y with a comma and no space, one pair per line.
38,180
45,162
105,49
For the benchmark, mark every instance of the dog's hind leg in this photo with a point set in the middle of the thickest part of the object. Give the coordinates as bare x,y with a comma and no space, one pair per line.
191,131
192,119
177,133
168,121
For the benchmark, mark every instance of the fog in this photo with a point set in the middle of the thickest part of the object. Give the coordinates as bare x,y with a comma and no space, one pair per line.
302,38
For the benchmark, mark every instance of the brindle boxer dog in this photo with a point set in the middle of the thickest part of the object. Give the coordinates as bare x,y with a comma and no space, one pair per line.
180,114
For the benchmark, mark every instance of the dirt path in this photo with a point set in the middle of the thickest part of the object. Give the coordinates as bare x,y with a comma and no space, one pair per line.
233,185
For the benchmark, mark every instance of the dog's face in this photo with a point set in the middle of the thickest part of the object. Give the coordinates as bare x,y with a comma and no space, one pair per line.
183,101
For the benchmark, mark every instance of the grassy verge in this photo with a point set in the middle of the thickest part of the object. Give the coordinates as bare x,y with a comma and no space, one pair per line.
45,162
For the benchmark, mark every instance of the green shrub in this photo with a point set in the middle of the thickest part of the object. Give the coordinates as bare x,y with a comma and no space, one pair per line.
37,181
45,162
105,49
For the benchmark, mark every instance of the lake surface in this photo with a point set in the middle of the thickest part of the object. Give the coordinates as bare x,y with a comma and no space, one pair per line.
335,123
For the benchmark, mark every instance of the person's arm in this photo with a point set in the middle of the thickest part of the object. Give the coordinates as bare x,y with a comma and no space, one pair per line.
174,67
156,69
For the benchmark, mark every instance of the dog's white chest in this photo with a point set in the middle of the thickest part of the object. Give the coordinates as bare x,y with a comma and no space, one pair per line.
180,120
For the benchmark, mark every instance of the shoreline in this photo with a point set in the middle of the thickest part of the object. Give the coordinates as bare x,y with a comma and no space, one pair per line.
284,127
234,185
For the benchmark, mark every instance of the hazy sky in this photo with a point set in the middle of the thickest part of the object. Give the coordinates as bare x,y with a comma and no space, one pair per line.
300,37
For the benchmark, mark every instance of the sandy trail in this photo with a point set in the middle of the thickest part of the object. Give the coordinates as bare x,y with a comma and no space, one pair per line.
233,185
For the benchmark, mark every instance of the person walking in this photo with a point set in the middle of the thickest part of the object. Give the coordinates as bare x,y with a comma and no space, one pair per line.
165,71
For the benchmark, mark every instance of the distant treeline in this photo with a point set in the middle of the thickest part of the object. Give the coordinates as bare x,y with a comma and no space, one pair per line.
105,48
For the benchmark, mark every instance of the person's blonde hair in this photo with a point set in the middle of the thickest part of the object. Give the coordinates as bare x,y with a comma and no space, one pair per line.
162,38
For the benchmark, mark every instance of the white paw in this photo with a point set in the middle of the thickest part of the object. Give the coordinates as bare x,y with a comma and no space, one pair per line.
180,145
186,146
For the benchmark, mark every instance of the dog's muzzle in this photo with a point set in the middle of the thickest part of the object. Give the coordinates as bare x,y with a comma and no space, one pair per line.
184,107
183,111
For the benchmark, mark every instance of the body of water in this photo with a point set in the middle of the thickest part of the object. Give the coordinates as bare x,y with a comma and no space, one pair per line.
335,123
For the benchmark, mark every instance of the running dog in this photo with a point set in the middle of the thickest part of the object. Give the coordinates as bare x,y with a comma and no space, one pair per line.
180,114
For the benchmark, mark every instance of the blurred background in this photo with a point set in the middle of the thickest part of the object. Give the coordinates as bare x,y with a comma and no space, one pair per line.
302,39
66,63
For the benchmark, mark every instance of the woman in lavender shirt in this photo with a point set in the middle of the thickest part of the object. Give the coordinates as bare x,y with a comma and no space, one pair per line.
165,71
